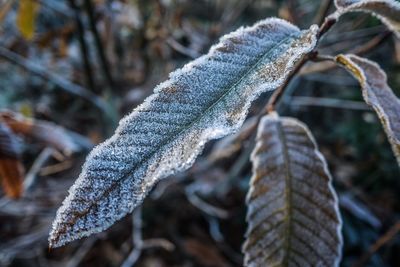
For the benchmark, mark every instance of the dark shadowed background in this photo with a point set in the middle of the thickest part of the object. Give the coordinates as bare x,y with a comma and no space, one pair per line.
69,70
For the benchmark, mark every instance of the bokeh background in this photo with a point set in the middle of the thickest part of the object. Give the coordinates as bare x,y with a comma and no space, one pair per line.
70,69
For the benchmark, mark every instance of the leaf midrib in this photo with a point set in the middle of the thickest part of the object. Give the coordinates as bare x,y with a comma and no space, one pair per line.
288,193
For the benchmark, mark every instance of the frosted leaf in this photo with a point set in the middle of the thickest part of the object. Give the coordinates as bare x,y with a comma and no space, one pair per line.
388,11
377,94
293,217
206,99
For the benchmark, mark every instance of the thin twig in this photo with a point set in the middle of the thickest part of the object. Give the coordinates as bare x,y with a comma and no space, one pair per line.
372,44
139,244
217,235
322,11
359,50
82,251
83,46
56,168
327,24
389,235
30,177
215,229
25,243
339,37
182,49
99,46
324,60
136,238
329,103
320,58
237,167
195,200
62,83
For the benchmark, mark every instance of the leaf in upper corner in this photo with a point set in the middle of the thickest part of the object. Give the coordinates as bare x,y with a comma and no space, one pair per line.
11,169
206,99
293,217
26,17
377,94
388,11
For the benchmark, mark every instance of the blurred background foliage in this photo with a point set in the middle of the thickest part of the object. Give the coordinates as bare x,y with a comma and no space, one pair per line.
69,69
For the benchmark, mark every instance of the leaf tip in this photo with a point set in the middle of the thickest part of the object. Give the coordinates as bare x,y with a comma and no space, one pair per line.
56,236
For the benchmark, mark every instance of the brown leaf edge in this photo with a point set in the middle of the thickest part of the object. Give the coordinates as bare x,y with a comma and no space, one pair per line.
376,93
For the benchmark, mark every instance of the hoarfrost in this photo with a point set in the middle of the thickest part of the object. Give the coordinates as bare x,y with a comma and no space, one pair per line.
206,99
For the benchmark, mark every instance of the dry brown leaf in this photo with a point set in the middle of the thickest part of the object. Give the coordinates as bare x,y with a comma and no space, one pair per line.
42,131
293,211
11,169
377,94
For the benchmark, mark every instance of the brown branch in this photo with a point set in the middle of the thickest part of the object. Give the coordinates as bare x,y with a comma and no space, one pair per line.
372,44
322,11
327,24
388,236
325,65
325,62
81,252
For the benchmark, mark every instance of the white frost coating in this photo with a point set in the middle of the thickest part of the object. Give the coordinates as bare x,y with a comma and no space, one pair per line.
206,99
293,212
388,11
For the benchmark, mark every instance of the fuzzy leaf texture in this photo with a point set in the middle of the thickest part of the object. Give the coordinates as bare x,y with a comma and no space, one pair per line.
377,94
206,99
293,216
388,11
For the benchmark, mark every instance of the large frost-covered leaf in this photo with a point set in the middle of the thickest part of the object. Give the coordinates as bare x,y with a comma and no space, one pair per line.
206,99
388,11
377,94
292,212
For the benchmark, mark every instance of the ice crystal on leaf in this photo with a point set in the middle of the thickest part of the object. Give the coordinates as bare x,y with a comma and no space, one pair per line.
206,99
